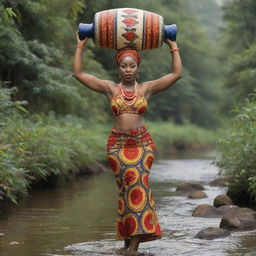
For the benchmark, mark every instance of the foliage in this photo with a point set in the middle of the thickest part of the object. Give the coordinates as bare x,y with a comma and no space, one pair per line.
241,76
33,61
209,16
238,150
37,148
170,137
238,51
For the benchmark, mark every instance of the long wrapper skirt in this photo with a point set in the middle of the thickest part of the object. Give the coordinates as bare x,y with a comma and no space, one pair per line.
130,155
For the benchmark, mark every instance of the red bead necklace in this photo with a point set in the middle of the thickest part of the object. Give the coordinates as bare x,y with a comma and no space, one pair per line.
129,97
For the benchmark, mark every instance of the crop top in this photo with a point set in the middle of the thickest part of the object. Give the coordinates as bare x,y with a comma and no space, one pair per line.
119,107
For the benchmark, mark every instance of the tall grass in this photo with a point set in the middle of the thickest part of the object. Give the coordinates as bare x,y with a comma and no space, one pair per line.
170,137
238,153
37,148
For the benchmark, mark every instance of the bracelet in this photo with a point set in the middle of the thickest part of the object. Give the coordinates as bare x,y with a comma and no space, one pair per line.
174,49
79,46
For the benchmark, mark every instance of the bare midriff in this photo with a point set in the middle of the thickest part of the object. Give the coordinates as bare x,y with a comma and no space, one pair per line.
128,121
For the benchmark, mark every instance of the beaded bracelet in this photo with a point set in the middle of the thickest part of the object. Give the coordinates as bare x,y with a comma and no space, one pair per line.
174,49
79,46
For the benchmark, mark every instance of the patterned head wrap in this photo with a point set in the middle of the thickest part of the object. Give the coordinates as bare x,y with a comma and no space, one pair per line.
128,52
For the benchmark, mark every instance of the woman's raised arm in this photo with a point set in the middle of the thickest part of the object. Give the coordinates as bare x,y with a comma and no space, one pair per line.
90,81
165,82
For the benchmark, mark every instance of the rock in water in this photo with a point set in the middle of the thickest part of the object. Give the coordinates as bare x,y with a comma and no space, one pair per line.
189,186
206,211
197,194
212,233
238,223
221,200
237,211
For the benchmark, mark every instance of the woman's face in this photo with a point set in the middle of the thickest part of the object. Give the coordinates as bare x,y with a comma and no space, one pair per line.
128,69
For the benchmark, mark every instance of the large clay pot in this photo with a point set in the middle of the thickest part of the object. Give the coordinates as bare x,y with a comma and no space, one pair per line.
122,27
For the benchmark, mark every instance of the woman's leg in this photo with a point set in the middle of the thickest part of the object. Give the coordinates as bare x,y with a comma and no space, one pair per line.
121,251
127,243
133,247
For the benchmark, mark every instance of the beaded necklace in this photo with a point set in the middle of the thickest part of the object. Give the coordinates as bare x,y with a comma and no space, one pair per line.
129,99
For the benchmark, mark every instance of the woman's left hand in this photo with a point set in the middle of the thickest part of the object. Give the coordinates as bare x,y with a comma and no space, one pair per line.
172,44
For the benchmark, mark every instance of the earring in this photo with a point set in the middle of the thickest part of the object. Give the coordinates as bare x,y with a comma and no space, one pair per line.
137,76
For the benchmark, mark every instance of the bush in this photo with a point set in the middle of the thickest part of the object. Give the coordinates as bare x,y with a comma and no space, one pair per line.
38,146
238,152
170,137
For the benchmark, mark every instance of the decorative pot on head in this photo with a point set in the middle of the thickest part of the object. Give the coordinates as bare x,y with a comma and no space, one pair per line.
128,27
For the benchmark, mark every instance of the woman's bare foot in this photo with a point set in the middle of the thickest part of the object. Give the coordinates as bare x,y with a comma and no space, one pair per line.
121,251
133,253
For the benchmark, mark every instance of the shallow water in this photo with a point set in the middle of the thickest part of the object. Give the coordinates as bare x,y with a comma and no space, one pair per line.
79,218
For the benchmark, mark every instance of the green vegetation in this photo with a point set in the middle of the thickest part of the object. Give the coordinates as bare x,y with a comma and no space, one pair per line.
238,53
170,137
238,154
41,147
238,56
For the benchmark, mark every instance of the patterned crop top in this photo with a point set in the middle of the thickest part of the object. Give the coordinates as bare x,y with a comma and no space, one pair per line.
119,106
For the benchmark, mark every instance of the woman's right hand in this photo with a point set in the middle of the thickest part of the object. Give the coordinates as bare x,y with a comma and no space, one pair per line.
81,42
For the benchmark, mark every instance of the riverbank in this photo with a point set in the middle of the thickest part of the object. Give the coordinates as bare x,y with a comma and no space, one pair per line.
46,151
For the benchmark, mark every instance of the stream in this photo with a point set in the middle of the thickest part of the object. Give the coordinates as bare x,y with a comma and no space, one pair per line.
79,217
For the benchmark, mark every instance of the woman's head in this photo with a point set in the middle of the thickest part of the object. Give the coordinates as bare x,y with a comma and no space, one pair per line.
128,61
121,54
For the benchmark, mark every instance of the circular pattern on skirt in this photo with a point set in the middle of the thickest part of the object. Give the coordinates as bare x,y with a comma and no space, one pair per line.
120,205
131,155
148,160
144,179
148,221
130,177
151,200
120,228
131,224
119,185
137,198
114,163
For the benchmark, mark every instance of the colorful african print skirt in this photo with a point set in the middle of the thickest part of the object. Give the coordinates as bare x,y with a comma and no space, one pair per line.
130,155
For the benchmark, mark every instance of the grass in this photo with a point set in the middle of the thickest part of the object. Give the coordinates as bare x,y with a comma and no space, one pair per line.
170,137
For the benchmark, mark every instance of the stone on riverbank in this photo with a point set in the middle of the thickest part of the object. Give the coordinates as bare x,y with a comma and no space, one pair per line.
15,243
189,186
197,194
237,211
221,200
238,223
212,233
209,211
219,182
205,211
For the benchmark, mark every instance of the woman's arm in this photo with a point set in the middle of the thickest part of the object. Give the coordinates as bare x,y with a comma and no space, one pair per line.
165,82
90,81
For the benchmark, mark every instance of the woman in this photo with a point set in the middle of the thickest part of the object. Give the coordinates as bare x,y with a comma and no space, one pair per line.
130,148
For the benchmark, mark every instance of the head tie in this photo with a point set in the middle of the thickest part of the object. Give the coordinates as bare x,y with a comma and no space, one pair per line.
128,52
